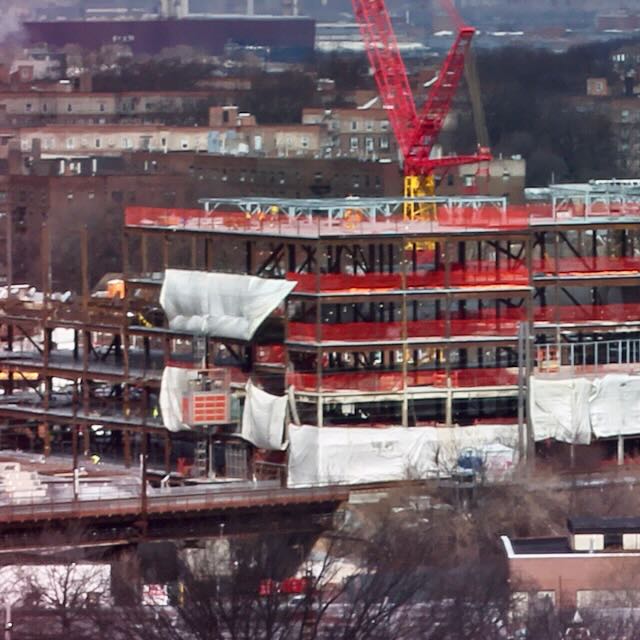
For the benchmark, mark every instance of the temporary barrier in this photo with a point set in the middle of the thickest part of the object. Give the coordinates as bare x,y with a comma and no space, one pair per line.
471,274
392,381
487,323
488,217
569,410
270,354
588,313
586,265
263,418
337,455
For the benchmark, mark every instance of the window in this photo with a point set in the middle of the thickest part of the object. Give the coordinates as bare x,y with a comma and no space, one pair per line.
369,125
184,144
98,143
163,142
354,143
451,180
304,142
384,125
369,144
126,143
45,108
354,125
101,107
69,108
28,107
384,142
71,143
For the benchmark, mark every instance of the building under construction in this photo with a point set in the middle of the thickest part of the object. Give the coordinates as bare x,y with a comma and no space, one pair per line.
332,341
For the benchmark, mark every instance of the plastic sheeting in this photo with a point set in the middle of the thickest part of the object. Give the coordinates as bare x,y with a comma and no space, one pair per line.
559,410
615,406
263,419
320,456
220,305
175,382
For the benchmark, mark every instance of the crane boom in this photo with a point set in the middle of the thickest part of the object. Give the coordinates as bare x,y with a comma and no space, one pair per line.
438,104
416,133
388,69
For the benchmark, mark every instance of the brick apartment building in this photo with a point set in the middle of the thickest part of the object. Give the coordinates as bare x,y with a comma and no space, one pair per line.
596,566
93,189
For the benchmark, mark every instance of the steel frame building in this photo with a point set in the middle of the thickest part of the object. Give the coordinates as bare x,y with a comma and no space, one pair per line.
392,322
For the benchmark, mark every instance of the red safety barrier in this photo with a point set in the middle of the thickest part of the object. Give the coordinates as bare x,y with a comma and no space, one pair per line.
595,265
488,323
471,274
270,354
595,313
486,217
388,381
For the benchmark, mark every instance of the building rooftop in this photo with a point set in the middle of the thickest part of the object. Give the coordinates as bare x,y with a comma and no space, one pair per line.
593,524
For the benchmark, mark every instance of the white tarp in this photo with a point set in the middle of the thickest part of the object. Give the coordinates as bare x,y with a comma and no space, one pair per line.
220,305
348,455
175,382
559,409
263,418
615,406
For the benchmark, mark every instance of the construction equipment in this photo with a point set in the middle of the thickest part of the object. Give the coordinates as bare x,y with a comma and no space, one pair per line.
416,133
207,400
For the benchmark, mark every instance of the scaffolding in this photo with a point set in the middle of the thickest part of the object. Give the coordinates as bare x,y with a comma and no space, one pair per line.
391,323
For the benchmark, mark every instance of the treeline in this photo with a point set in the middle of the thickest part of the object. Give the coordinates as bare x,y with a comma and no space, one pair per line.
529,97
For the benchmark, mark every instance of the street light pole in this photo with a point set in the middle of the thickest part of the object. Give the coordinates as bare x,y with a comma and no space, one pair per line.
8,623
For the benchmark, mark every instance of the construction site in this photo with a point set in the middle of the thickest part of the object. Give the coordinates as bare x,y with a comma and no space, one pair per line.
309,343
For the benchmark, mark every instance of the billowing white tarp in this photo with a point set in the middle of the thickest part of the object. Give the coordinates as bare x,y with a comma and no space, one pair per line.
220,305
615,406
559,409
348,455
175,382
263,418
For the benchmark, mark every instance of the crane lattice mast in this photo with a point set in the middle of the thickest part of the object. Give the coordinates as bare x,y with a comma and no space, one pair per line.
416,132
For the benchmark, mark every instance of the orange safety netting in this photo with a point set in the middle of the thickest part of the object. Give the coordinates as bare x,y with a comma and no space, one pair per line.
391,381
595,313
270,354
487,217
514,217
487,324
472,274
595,265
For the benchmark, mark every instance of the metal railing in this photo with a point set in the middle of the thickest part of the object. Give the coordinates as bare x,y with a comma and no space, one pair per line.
168,500
589,356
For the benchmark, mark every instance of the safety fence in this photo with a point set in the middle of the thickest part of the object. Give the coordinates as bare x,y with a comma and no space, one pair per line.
394,381
351,219
489,325
586,265
472,274
272,354
588,313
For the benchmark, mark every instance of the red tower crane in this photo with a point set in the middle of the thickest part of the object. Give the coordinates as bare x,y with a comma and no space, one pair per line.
416,132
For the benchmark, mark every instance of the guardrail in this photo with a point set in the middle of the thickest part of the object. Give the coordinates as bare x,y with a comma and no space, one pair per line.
168,501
